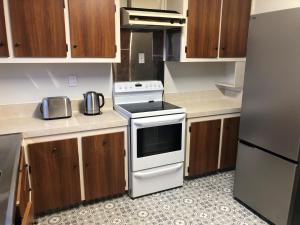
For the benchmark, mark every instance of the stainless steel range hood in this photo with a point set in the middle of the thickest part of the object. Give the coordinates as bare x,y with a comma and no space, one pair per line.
151,18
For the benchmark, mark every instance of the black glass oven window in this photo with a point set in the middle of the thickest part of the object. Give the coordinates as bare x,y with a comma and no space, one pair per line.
158,140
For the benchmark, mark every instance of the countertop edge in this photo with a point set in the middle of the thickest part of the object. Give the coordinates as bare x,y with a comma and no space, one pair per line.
192,115
52,132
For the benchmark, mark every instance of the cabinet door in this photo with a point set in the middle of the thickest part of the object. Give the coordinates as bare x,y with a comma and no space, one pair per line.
3,38
92,24
28,215
229,142
203,28
38,28
103,165
234,31
23,190
204,147
54,174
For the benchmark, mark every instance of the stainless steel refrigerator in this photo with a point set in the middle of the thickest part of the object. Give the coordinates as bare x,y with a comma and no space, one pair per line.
267,171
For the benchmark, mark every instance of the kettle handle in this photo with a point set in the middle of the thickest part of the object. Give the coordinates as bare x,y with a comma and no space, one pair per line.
103,102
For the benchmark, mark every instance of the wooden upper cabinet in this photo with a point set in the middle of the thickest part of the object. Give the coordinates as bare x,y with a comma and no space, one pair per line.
54,174
103,165
204,147
3,37
38,28
229,143
234,31
92,25
203,28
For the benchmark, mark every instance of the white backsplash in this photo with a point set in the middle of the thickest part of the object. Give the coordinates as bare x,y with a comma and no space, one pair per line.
189,77
29,83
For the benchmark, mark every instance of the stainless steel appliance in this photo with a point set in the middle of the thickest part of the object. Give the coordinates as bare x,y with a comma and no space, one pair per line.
267,171
56,108
157,137
142,56
92,103
10,146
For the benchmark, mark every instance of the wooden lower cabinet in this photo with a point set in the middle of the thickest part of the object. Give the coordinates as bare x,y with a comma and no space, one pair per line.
103,165
229,142
55,177
23,210
28,215
205,138
204,147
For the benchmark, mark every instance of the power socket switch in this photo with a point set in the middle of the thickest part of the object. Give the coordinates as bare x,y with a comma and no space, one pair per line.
73,82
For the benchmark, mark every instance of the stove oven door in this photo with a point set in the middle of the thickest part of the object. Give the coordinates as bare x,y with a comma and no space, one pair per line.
157,141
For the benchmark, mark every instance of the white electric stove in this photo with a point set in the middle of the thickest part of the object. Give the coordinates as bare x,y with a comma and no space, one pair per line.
156,136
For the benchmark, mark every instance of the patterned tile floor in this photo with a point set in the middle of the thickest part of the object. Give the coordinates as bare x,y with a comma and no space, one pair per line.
206,201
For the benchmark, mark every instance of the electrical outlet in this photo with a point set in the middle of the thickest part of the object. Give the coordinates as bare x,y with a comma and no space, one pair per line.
73,81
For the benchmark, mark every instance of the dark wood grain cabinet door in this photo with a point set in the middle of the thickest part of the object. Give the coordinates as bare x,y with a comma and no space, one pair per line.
204,147
3,37
234,31
229,143
92,24
38,28
23,190
103,165
54,174
203,28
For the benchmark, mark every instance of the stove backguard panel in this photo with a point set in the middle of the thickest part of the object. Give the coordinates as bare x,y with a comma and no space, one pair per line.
141,56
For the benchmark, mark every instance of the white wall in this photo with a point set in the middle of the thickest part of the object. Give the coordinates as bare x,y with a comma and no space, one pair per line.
27,83
151,4
261,6
185,77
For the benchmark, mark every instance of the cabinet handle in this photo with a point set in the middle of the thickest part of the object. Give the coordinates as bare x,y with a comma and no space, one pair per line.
75,46
1,44
223,48
216,48
17,44
86,165
75,167
54,150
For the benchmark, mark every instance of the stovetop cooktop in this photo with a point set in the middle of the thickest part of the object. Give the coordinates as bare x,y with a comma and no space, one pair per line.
148,107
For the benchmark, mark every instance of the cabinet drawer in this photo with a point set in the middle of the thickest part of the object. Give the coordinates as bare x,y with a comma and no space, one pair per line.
156,179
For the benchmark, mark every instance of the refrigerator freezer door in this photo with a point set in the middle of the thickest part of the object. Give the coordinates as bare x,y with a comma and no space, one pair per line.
271,102
265,183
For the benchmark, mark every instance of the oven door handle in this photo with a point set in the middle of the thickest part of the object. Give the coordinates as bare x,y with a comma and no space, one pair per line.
157,122
142,175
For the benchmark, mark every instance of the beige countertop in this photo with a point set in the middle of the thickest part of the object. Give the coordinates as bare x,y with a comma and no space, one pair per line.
25,118
36,127
208,103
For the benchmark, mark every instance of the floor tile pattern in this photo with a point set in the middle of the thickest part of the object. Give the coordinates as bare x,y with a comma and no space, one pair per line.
202,201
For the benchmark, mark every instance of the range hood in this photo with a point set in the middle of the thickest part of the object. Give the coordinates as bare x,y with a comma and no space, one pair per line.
151,18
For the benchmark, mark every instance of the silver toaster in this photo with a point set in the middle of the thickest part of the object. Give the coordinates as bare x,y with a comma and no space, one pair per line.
56,108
